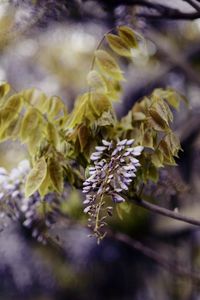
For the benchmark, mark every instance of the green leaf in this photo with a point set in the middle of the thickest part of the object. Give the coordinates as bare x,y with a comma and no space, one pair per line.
108,65
56,108
173,143
36,98
157,159
4,89
56,174
96,81
138,116
148,139
12,130
164,147
128,36
36,177
118,45
153,173
45,186
52,134
99,103
157,122
34,140
30,123
78,112
7,115
162,109
113,89
83,136
15,102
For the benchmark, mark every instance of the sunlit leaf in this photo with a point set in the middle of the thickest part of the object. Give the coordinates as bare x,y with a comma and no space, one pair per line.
96,81
128,36
30,122
15,102
157,122
118,45
99,103
56,108
4,89
108,65
7,115
52,134
36,177
56,174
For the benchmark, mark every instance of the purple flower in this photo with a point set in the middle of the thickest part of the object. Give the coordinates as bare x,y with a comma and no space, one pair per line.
113,170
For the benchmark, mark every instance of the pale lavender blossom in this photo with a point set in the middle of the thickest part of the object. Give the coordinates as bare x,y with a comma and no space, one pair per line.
114,168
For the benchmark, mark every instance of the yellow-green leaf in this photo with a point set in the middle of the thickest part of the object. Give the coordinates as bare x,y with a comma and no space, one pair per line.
113,89
96,81
138,116
157,122
153,173
14,128
56,108
30,122
118,45
7,115
164,147
79,111
56,174
83,136
99,103
36,98
34,139
15,102
128,36
173,143
36,177
4,89
157,159
45,186
108,65
162,109
148,139
52,134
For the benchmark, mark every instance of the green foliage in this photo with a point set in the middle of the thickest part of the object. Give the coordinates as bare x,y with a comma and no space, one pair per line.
60,143
36,177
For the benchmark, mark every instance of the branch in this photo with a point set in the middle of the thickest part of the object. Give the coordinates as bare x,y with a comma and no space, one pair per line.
193,4
165,12
166,212
172,14
162,261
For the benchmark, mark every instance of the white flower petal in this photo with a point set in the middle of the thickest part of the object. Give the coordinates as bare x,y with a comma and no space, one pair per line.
122,143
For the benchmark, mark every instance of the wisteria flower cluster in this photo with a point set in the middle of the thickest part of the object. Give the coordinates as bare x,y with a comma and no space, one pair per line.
33,213
115,166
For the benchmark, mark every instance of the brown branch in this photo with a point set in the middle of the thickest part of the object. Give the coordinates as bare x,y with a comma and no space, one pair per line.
162,11
171,15
155,256
193,4
166,212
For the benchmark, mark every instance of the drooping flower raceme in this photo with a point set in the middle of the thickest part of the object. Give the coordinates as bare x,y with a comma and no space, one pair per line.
33,213
114,167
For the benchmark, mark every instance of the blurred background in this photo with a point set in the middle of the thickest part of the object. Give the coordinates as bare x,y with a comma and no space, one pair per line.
49,45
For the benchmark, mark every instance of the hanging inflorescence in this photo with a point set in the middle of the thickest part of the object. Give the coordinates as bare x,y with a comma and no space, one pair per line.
35,214
115,166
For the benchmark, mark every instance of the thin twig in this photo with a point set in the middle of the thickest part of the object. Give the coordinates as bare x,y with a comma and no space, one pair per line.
155,256
166,212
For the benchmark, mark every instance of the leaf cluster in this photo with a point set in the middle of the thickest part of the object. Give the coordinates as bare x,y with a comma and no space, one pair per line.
60,143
